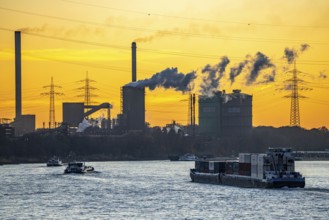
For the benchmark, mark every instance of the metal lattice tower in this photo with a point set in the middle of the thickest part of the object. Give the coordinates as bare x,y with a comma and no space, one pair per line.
87,90
294,108
52,94
294,97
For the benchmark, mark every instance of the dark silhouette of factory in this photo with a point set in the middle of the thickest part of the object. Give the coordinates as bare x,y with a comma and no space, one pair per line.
132,117
22,123
225,114
219,115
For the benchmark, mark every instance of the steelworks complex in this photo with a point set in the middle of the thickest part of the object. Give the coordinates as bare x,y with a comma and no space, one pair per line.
219,115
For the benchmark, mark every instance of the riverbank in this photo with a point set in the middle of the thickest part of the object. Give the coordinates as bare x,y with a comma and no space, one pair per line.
157,145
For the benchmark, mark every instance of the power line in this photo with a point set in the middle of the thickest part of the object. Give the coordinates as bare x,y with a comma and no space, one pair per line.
79,64
196,55
172,32
195,18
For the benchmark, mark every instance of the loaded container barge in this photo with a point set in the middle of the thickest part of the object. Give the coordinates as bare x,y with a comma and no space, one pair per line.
275,169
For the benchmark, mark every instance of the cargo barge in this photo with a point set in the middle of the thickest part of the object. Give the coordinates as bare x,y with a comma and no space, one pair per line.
275,169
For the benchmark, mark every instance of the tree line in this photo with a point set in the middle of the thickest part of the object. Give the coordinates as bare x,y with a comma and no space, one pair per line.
156,144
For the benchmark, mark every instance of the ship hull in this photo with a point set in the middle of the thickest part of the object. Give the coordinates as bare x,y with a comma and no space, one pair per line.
244,181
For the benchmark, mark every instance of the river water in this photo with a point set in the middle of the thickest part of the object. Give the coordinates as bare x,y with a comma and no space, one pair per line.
153,190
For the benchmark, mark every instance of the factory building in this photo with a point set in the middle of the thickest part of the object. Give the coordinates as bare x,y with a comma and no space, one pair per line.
73,113
209,114
24,124
225,114
236,114
133,108
6,131
132,117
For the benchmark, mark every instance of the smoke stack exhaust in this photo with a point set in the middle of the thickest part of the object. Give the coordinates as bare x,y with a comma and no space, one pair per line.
18,74
133,61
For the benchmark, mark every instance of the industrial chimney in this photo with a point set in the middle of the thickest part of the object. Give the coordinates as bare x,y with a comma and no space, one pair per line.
133,61
18,74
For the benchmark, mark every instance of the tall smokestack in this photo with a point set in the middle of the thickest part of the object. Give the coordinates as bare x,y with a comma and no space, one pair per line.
133,61
18,74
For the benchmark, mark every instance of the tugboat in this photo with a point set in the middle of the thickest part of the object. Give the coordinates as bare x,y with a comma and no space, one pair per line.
78,167
275,169
54,162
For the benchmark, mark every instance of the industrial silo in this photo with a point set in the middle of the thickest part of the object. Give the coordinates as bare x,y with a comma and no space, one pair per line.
209,115
133,107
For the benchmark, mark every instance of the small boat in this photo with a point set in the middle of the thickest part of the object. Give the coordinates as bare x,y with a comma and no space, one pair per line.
188,157
275,169
54,162
78,167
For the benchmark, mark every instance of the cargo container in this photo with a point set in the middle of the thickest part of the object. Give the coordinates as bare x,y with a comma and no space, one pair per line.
245,169
272,170
244,158
254,171
260,166
254,159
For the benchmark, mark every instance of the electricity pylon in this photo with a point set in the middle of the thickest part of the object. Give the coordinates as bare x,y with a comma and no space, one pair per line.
294,97
52,94
87,90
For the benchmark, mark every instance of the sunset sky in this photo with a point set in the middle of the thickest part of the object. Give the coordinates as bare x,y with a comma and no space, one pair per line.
64,39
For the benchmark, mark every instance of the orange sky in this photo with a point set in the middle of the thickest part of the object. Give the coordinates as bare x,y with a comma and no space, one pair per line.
66,38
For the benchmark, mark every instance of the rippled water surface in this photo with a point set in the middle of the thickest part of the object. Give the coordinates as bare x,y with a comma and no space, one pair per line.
153,190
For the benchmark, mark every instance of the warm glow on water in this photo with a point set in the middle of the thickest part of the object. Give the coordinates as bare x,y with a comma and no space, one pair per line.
64,39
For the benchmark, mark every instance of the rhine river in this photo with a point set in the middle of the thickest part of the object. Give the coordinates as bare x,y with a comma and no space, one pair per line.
153,190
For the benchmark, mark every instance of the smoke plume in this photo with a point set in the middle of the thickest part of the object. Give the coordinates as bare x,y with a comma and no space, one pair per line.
270,77
258,63
304,47
81,30
254,66
236,71
291,54
212,76
192,30
169,78
157,34
323,75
